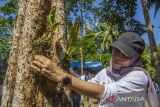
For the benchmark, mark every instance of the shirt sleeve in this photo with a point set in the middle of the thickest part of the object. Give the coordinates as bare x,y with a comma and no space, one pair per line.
133,84
99,78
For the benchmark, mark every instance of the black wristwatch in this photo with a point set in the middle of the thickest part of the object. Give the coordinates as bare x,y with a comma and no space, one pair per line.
67,80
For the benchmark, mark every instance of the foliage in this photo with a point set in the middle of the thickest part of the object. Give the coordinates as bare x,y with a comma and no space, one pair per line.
73,38
42,44
79,10
113,17
108,33
7,20
158,48
106,59
146,60
91,45
4,48
88,45
155,3
120,13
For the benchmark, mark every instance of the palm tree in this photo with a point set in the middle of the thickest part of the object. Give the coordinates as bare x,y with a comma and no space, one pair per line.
154,53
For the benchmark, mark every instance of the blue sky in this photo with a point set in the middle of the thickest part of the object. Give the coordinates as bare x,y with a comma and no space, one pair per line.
139,16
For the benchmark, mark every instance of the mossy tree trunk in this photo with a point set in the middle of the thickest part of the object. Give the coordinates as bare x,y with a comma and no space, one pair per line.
22,86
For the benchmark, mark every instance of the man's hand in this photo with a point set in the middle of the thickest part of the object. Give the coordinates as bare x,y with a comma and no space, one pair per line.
47,68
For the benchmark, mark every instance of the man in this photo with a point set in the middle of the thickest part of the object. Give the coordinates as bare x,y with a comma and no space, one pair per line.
122,84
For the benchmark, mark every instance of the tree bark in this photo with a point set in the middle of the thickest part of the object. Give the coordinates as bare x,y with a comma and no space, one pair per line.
9,83
60,35
154,53
59,46
23,87
26,92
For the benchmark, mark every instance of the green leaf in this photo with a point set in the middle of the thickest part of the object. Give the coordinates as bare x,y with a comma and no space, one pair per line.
54,26
74,30
51,17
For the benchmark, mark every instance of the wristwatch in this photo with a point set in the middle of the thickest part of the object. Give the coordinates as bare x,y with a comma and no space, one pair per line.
67,80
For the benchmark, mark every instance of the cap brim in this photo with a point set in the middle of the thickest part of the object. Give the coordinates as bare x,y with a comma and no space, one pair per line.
128,51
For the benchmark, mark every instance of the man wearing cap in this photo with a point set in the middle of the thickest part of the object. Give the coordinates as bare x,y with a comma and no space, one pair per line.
123,84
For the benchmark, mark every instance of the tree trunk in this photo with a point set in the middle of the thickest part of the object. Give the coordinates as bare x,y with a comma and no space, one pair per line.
154,53
60,35
59,46
9,82
22,86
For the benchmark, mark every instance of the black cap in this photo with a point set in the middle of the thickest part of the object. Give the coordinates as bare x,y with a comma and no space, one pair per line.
129,43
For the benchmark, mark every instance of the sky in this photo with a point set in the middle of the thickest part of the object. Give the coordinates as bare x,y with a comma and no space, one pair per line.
139,16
